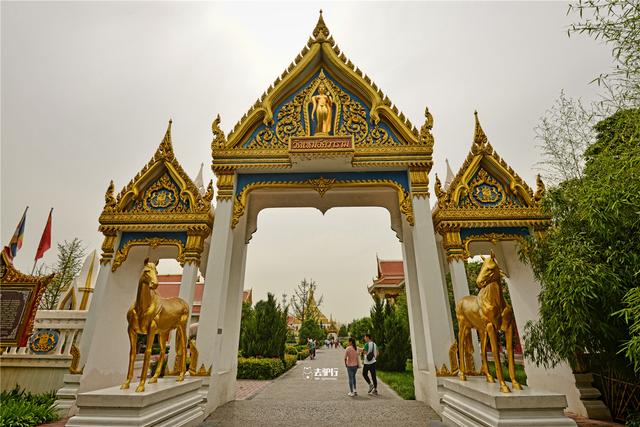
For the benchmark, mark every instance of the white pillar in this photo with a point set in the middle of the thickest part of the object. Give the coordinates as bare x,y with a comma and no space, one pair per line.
233,315
417,313
214,300
433,297
524,291
461,289
187,293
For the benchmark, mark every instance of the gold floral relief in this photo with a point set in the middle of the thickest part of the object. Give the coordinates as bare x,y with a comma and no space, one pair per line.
348,118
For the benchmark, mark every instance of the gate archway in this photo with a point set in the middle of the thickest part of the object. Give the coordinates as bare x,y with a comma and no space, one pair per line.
323,135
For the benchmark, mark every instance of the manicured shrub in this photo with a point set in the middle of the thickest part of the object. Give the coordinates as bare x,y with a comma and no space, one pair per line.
291,351
303,354
22,409
290,361
254,368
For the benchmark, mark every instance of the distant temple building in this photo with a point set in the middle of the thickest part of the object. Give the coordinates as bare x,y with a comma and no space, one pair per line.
329,325
389,284
169,286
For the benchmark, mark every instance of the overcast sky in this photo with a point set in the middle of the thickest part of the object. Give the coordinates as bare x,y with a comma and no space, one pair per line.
88,88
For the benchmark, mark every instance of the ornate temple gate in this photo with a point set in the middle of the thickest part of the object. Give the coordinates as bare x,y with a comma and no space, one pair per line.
322,136
160,214
487,207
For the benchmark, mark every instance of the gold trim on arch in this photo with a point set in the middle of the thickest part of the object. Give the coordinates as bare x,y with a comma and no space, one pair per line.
154,242
322,185
489,237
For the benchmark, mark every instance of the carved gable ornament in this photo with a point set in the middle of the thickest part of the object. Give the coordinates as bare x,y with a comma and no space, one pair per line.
160,206
322,96
486,200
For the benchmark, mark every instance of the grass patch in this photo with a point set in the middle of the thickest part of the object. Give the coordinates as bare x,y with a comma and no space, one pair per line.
400,382
520,375
21,409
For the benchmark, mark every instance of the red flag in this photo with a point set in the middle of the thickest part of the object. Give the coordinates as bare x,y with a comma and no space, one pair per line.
45,240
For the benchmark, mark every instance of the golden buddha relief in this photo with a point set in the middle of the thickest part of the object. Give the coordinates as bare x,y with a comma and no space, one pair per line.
322,111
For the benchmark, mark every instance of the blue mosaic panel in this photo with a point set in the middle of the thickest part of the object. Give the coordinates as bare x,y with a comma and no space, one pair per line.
140,235
399,177
481,231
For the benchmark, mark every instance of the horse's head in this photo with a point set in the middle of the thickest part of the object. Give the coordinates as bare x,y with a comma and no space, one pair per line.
150,274
490,271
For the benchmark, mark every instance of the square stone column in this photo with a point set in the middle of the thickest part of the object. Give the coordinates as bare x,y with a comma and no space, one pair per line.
437,325
211,328
524,291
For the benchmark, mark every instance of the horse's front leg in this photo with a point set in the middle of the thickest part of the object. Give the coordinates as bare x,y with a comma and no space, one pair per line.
512,368
462,365
163,348
181,342
151,333
133,337
483,350
493,336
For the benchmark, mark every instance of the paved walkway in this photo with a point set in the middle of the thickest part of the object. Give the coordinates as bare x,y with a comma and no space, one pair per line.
298,398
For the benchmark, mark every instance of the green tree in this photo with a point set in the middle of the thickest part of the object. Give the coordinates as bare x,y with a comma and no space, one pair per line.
587,262
310,328
377,320
67,268
264,329
394,354
358,327
343,331
616,23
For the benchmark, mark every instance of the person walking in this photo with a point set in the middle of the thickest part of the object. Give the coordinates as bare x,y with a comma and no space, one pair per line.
352,362
370,352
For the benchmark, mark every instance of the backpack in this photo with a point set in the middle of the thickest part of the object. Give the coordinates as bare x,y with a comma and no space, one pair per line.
371,353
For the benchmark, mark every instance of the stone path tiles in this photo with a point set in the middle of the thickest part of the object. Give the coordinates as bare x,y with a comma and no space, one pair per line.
300,397
245,389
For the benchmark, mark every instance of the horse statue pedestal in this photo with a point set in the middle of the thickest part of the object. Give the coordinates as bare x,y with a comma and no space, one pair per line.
477,403
165,403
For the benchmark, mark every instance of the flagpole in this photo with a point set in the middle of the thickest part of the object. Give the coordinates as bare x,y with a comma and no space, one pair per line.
34,266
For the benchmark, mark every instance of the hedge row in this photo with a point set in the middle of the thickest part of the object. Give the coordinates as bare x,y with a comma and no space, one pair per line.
254,368
301,351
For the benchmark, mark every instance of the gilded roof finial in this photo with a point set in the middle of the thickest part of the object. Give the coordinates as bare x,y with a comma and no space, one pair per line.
320,32
440,194
425,131
109,199
540,189
219,140
479,137
165,150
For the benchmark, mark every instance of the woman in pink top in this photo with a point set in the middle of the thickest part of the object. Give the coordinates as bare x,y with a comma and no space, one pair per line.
352,362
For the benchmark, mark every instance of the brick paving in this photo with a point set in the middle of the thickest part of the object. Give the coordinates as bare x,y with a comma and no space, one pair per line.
245,389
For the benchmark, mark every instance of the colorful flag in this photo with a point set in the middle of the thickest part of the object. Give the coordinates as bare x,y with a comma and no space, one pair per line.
16,240
45,240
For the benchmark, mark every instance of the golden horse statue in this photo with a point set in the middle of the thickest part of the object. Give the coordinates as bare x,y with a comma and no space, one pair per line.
153,315
489,313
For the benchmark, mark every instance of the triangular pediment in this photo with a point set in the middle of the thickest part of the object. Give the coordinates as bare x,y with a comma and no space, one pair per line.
162,187
485,180
320,93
